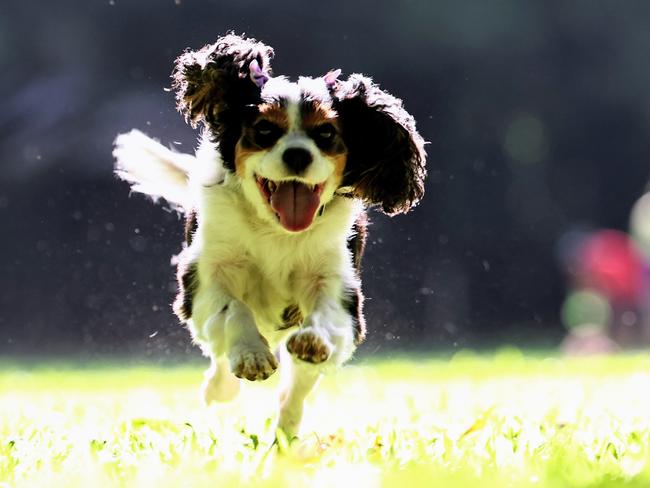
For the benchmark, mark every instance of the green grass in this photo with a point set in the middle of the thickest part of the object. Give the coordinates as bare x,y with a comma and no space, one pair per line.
499,420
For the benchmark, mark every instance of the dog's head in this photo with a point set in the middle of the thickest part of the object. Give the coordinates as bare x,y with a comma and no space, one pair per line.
296,145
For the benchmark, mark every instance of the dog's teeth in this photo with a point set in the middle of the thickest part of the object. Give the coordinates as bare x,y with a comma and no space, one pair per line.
272,186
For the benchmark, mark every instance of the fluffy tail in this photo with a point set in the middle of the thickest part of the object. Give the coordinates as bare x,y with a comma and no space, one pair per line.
153,169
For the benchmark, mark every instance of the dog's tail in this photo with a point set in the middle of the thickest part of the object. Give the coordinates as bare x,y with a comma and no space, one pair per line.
153,169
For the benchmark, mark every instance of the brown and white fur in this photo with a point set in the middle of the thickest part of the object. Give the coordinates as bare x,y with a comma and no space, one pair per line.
275,200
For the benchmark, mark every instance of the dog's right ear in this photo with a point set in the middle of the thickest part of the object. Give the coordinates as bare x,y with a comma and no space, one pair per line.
220,78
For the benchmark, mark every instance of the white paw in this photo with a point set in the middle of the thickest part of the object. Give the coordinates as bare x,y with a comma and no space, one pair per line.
308,345
253,364
289,421
219,385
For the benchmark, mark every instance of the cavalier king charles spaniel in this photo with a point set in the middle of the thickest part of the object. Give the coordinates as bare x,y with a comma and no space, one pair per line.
275,202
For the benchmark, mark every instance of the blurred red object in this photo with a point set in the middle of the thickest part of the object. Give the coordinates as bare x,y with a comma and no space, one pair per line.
609,262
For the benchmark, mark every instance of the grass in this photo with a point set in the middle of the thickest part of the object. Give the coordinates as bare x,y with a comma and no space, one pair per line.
499,420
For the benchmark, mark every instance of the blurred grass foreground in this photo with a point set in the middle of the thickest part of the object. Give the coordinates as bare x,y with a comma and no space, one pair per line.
498,420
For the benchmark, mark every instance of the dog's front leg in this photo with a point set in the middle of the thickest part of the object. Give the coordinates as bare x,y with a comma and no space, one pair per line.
226,329
325,340
248,351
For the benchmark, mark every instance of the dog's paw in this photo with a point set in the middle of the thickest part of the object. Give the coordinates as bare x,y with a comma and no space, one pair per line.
253,365
307,345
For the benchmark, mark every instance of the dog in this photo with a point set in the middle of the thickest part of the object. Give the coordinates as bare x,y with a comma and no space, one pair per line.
275,200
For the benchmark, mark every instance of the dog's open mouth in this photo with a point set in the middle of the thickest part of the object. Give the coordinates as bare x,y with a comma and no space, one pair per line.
294,203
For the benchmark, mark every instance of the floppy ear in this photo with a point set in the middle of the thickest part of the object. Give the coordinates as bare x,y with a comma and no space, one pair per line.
386,157
220,76
214,85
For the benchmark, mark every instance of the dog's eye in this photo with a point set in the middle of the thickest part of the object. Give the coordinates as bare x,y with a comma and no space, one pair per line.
323,135
325,131
266,133
264,128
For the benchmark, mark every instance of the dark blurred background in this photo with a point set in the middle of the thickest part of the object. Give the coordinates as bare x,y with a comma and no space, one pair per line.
537,115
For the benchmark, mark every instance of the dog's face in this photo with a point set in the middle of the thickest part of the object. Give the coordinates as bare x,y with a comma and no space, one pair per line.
296,145
291,155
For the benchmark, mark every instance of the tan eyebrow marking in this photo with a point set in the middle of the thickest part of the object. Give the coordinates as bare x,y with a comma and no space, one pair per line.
316,114
275,114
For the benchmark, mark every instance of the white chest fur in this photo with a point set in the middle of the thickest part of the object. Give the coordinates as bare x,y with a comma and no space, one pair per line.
265,267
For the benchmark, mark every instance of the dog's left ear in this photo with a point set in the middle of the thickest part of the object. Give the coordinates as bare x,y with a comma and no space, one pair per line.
213,83
386,157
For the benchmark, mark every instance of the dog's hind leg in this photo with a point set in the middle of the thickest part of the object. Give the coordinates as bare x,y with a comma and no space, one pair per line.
325,341
298,379
219,385
208,329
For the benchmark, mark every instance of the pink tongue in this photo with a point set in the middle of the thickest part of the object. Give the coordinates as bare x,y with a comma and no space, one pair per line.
295,204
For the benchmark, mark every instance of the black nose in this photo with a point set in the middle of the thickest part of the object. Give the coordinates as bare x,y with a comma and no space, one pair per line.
297,159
